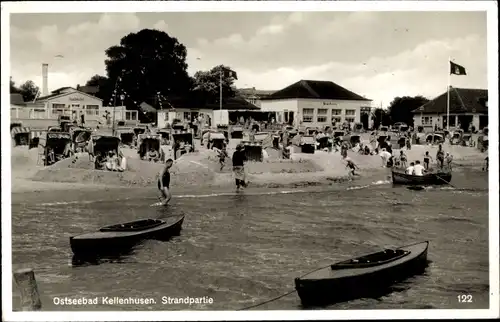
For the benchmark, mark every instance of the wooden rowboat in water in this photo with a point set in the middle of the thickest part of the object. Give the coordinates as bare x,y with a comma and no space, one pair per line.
427,179
120,238
363,276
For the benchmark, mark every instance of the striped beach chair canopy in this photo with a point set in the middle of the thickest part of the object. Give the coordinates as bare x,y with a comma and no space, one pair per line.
19,130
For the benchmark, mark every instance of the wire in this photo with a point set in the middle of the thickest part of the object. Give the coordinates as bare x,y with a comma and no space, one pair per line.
268,301
282,295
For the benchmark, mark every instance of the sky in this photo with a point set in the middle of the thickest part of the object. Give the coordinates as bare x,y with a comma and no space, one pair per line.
379,55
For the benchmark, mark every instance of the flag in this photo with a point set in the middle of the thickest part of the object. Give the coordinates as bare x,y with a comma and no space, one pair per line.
229,73
456,69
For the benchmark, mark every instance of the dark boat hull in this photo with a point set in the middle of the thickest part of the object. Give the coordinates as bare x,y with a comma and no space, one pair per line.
427,179
372,284
120,242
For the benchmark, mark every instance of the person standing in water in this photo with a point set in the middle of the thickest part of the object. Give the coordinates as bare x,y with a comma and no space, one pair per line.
239,159
427,160
440,156
402,159
164,182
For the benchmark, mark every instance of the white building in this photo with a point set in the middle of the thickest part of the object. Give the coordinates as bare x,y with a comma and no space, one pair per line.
189,110
468,107
70,102
310,103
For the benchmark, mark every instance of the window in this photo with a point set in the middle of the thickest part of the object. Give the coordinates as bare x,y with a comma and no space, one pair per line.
349,119
165,117
427,120
92,110
336,112
308,115
58,108
75,105
322,115
132,115
350,112
187,115
336,119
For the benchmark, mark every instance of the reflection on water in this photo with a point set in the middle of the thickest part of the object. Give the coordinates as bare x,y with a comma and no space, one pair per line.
246,248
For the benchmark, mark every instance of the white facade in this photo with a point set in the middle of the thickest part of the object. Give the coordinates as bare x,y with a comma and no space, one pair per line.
164,117
429,120
315,112
73,103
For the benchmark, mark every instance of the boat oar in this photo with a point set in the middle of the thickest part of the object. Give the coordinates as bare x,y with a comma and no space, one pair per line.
437,176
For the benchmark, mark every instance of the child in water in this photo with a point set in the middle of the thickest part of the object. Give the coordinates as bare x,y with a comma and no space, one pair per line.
222,157
351,166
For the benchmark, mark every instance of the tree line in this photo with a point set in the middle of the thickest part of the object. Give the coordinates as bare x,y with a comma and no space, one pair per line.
28,90
150,66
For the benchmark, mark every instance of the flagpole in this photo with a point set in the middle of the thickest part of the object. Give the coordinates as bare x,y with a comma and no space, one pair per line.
220,95
448,97
220,90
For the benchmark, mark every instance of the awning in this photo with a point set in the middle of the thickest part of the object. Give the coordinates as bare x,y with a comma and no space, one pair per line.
18,130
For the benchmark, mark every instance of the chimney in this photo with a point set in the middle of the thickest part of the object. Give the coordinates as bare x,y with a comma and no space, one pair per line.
45,74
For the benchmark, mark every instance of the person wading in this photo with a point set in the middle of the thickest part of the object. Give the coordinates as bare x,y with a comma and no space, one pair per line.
239,159
427,160
402,159
164,182
440,156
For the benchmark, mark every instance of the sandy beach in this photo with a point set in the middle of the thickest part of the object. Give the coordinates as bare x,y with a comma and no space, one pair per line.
201,170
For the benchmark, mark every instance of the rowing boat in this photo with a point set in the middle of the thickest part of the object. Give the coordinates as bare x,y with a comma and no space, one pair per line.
438,178
120,238
362,276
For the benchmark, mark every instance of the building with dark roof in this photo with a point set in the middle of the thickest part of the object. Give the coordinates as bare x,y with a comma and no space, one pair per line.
189,109
253,95
311,103
468,107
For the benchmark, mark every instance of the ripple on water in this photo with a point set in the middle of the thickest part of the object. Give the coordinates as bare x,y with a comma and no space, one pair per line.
241,250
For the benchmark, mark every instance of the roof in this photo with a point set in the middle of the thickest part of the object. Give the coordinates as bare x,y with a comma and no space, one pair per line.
232,103
88,89
146,108
57,92
254,92
16,99
316,90
462,100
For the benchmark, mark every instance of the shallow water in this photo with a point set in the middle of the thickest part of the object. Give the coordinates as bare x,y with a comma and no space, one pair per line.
246,248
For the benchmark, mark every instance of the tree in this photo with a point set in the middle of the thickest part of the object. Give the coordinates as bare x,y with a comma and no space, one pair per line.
29,90
401,108
13,88
147,64
206,84
104,86
380,117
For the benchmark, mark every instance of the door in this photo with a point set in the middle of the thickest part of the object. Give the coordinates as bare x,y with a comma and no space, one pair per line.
365,120
483,121
290,118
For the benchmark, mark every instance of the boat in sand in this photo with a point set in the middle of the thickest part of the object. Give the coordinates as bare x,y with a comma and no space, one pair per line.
438,178
120,238
363,276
